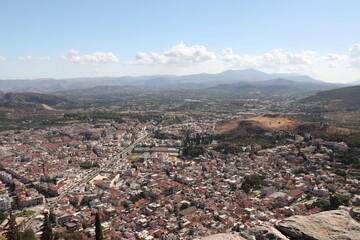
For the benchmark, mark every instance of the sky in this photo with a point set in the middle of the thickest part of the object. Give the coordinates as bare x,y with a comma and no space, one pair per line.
90,38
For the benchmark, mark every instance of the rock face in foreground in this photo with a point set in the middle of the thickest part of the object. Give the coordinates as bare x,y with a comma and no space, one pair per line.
267,233
329,225
224,236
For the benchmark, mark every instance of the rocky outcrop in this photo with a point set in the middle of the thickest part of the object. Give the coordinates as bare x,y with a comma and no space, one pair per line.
355,213
267,233
224,236
328,225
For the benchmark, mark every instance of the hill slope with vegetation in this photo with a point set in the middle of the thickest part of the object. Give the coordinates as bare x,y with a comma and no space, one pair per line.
269,130
348,97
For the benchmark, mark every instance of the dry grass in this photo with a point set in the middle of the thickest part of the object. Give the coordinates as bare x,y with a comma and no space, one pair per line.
275,123
226,126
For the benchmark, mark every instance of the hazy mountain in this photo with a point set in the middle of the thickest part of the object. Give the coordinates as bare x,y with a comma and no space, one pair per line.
279,86
354,83
188,81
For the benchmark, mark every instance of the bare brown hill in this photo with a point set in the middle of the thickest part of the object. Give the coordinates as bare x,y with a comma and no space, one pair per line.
274,123
29,105
20,110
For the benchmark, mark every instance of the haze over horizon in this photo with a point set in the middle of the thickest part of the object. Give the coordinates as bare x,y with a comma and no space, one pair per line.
70,39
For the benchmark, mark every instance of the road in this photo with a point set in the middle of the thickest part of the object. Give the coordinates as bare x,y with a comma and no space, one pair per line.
90,176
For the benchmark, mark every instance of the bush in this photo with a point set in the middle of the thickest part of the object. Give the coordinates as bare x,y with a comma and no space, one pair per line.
337,200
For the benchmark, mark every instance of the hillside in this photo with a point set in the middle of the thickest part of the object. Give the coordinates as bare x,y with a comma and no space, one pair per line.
274,123
347,97
20,110
15,106
269,130
29,97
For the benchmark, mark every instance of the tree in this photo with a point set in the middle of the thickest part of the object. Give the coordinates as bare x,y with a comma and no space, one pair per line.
184,205
11,228
70,236
28,234
98,230
246,188
3,216
47,233
336,201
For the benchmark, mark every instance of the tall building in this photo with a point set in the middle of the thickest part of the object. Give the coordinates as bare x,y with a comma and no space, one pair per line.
5,203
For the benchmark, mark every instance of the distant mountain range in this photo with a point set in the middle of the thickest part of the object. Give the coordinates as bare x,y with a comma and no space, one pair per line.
278,86
354,83
194,81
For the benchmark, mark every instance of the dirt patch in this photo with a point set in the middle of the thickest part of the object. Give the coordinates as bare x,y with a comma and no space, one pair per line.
226,126
276,123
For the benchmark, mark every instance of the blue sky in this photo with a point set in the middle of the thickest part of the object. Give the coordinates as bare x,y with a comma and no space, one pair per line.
61,39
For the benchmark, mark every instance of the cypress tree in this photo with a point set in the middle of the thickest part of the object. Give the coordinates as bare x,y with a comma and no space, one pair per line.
12,231
98,230
28,234
47,233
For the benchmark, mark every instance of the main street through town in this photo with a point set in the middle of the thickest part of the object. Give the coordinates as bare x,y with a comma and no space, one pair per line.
86,179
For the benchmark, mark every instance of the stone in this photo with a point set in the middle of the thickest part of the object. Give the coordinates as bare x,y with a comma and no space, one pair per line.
355,213
267,233
224,236
328,225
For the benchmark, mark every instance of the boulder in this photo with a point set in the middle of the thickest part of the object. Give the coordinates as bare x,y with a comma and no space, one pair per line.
328,225
267,233
355,213
224,236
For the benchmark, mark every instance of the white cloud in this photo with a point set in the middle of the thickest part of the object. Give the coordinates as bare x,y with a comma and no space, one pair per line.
275,59
3,59
334,60
26,58
355,55
178,55
355,50
95,58
32,58
44,58
70,53
332,57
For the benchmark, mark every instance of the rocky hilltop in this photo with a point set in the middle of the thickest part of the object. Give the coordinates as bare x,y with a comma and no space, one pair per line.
224,236
336,224
327,225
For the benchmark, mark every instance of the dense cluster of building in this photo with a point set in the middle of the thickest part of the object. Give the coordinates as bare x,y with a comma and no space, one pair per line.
155,194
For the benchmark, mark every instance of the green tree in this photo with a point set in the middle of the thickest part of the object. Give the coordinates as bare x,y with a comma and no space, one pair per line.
98,230
47,233
184,205
70,236
3,216
335,202
246,188
28,234
11,228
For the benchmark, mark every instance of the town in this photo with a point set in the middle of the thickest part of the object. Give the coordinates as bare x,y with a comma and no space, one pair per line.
137,177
